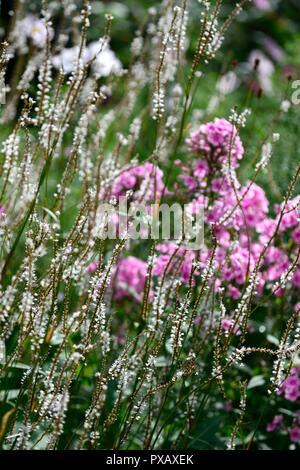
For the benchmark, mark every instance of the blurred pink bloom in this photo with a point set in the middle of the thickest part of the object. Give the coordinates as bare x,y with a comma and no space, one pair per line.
92,268
121,335
277,421
273,49
215,141
296,235
130,278
262,4
145,180
297,307
264,70
295,434
296,278
234,292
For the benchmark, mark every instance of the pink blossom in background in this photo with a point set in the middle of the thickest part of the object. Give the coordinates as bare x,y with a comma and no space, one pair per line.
144,180
275,51
254,204
234,292
262,4
215,141
277,421
249,220
130,278
266,228
264,70
296,235
121,336
290,216
296,278
291,387
162,261
92,268
295,434
226,325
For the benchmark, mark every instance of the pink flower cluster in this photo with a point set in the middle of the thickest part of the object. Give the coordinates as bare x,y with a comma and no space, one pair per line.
290,218
144,180
214,142
130,278
263,4
278,424
242,211
131,272
250,212
291,386
181,263
291,391
239,214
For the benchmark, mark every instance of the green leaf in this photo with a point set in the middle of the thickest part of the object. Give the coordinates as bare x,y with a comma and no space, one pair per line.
256,381
273,340
19,365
